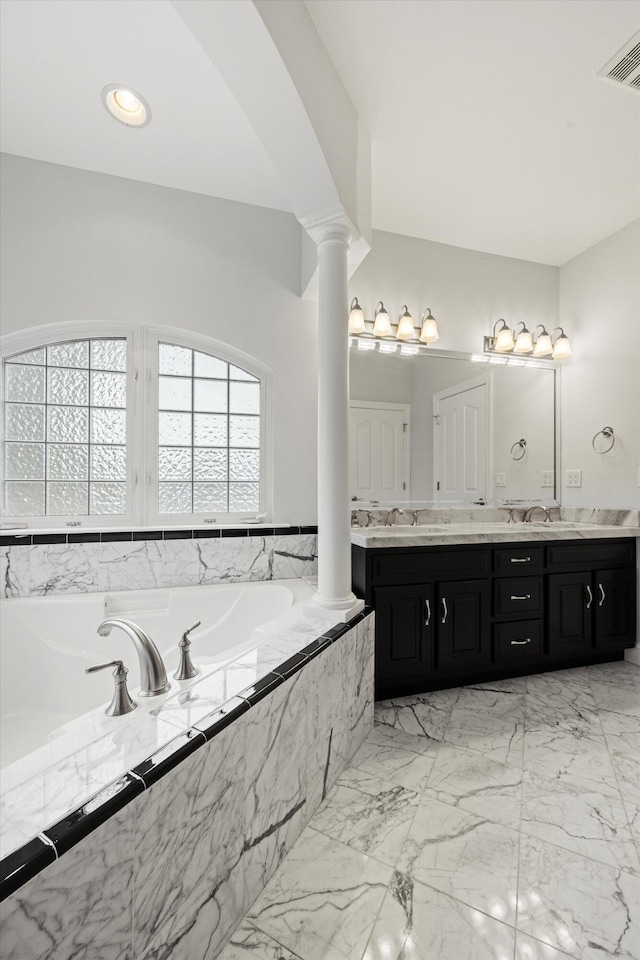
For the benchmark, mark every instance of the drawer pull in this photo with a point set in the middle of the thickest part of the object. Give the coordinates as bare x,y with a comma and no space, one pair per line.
527,596
444,611
520,559
427,613
603,595
518,643
589,597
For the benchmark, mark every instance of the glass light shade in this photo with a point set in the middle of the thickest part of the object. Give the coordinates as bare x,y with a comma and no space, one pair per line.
504,340
543,346
524,343
356,317
406,329
382,324
429,332
562,348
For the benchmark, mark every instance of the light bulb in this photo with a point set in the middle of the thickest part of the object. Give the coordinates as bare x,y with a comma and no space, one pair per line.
126,100
406,329
429,332
381,324
126,105
356,317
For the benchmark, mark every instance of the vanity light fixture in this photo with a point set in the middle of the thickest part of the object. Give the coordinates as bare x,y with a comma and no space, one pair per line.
524,343
429,331
383,335
502,338
561,347
381,323
542,345
526,346
356,317
406,329
126,105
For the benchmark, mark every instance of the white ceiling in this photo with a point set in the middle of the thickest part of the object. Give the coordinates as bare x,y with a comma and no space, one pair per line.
489,127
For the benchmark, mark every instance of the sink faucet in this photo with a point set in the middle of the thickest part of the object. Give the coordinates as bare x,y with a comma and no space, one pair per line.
391,516
529,513
153,676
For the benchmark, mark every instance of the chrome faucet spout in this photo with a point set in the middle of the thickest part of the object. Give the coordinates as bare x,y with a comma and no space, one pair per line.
529,513
153,676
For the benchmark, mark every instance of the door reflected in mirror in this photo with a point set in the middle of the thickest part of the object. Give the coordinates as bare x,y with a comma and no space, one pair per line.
441,428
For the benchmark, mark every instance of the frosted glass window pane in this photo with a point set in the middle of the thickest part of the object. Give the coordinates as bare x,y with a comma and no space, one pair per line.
108,463
210,396
69,386
109,354
175,360
174,463
24,422
244,398
67,499
24,461
209,497
244,496
174,393
108,426
73,354
237,373
174,497
210,430
244,465
108,498
24,499
244,431
24,384
68,461
68,425
109,389
32,356
206,366
210,464
174,429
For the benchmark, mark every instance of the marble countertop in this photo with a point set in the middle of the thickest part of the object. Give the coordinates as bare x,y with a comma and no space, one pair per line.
444,534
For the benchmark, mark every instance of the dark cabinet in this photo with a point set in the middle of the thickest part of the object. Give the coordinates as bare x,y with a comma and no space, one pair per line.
614,606
570,618
404,635
463,630
591,610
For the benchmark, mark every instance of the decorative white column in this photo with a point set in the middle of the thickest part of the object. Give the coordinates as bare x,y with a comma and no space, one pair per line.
334,596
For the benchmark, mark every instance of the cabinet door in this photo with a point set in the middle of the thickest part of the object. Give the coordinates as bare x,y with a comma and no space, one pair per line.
463,625
570,613
615,608
404,631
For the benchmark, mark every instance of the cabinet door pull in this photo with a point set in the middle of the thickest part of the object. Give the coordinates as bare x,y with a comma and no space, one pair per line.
444,611
517,643
589,596
520,559
527,596
427,613
603,595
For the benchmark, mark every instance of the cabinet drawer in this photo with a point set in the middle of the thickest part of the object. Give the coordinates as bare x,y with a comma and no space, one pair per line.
516,596
585,556
519,640
413,567
514,561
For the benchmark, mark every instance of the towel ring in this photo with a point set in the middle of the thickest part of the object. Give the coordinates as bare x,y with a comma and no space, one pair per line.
609,434
522,445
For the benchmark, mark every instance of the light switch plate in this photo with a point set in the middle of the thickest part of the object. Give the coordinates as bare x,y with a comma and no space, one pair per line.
574,478
501,479
547,478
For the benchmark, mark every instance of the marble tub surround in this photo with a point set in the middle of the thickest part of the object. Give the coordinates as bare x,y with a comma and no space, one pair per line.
176,869
493,859
41,564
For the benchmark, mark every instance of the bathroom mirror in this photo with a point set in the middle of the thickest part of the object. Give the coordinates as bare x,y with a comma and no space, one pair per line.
445,428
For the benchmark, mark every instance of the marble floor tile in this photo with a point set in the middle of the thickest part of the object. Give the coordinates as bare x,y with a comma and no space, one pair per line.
391,761
616,687
464,778
559,753
576,904
249,941
489,722
633,817
322,901
581,816
557,701
620,724
464,856
527,948
416,921
423,716
367,813
382,734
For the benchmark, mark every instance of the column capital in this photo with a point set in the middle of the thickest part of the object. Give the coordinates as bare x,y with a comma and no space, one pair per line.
330,226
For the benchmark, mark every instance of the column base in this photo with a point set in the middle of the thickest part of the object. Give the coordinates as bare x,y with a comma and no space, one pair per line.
340,611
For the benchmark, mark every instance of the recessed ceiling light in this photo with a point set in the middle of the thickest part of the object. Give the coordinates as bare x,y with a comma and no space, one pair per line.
126,105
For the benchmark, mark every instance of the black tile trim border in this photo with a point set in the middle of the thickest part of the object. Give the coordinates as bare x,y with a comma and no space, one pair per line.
172,533
27,861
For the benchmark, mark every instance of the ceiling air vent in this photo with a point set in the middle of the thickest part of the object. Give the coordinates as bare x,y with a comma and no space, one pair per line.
624,68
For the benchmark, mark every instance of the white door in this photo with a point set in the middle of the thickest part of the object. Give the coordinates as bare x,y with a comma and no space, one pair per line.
459,440
378,451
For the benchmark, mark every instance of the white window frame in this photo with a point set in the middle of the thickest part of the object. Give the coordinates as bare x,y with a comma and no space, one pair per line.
142,422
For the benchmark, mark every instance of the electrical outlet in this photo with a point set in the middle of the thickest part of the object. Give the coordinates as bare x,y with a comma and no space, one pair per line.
574,478
547,478
501,479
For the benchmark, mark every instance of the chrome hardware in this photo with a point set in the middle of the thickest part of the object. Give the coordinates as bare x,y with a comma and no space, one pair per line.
153,676
520,559
121,702
590,597
521,446
186,669
517,643
445,612
427,613
529,513
608,434
391,516
527,596
603,595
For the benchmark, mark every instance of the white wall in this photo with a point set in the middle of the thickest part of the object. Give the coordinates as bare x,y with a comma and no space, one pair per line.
600,308
80,245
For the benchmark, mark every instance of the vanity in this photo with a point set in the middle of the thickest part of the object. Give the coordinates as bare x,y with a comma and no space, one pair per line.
461,603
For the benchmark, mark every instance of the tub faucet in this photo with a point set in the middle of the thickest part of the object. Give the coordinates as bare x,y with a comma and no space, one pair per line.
153,676
529,513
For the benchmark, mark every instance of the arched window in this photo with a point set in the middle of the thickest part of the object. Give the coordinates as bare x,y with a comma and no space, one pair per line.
136,428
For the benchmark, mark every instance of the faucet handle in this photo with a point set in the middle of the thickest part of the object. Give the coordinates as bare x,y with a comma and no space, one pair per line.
121,702
186,669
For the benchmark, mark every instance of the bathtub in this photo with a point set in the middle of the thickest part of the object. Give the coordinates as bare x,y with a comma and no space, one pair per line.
51,708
